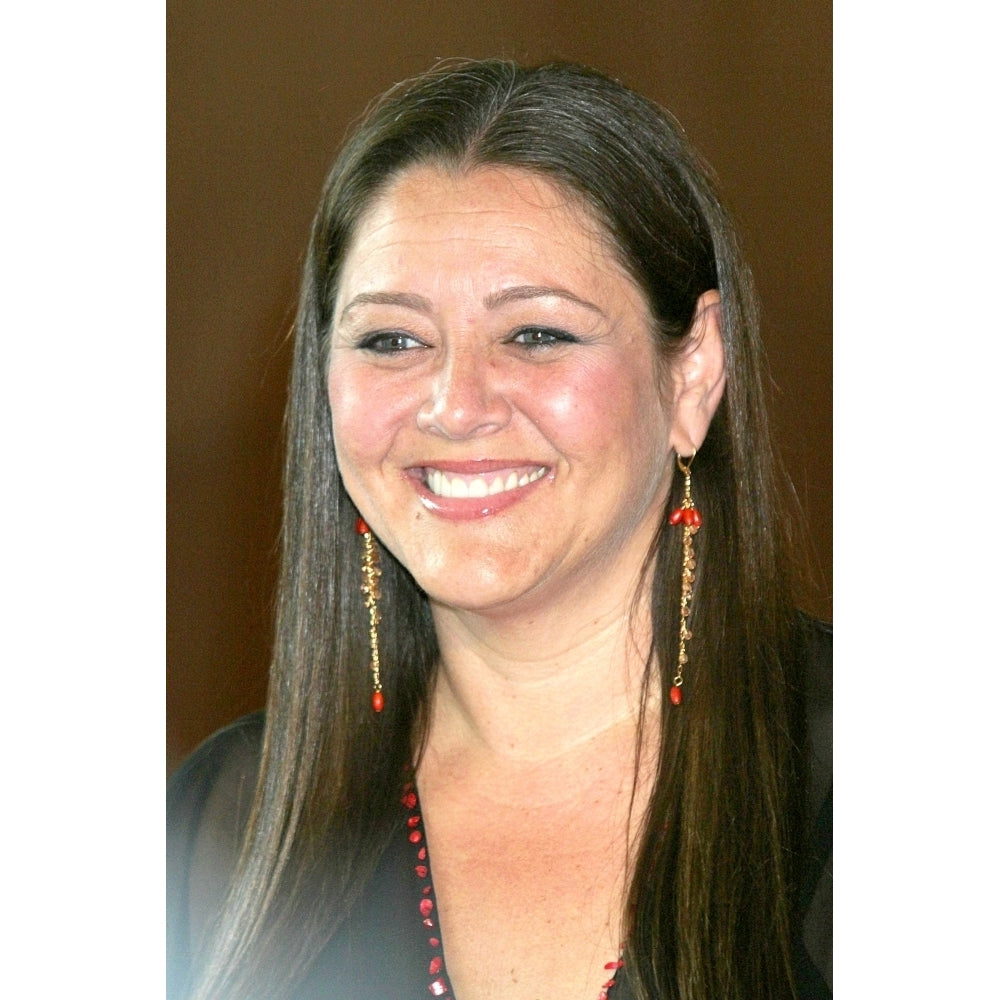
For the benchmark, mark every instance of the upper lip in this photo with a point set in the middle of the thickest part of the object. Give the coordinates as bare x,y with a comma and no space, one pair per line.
478,466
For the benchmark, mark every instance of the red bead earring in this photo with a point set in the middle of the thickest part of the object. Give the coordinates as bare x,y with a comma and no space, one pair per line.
688,516
370,588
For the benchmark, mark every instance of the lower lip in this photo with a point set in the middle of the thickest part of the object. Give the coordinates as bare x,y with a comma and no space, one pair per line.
474,508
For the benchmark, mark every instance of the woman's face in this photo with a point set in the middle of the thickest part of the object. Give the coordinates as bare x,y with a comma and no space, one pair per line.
501,417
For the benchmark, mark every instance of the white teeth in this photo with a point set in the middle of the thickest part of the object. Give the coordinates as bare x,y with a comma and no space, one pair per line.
440,484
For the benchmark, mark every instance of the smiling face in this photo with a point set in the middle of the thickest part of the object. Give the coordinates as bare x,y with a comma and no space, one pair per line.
501,416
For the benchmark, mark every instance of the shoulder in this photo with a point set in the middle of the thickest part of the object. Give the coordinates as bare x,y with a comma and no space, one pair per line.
818,705
209,797
223,764
814,957
212,791
208,803
818,641
818,684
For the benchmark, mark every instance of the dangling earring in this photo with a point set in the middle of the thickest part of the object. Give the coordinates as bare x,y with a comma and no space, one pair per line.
370,588
687,514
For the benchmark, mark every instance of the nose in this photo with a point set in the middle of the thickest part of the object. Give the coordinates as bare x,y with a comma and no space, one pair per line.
465,398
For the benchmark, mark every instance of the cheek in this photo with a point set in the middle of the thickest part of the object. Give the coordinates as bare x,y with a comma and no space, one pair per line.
606,402
358,426
363,413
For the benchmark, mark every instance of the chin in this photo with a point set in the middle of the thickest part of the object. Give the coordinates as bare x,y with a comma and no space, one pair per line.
487,597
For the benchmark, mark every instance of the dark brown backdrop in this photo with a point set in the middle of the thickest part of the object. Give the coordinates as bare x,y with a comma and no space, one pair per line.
259,96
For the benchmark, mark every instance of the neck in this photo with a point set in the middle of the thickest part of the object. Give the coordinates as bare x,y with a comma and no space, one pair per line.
543,687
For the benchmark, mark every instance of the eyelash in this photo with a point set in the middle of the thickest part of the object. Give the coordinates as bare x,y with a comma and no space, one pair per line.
554,336
388,342
397,342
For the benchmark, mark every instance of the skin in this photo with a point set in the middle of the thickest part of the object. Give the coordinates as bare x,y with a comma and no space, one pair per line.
462,390
484,329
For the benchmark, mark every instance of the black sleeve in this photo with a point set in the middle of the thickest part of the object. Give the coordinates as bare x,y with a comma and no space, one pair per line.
208,801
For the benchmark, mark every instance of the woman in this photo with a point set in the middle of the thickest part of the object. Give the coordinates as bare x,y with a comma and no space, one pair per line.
535,618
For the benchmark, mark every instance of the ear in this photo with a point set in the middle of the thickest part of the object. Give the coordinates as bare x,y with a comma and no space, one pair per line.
699,377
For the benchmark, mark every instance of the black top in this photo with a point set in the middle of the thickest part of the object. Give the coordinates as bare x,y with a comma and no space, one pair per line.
390,948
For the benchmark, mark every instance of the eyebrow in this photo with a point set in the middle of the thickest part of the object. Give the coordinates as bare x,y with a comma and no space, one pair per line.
405,299
519,292
516,293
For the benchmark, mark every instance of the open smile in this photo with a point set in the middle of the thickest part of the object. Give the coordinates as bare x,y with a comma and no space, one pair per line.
462,491
481,484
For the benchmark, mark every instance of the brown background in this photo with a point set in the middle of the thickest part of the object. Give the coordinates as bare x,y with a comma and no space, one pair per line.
259,95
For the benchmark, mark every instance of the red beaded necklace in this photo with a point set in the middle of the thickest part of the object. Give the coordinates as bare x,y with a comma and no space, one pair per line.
438,985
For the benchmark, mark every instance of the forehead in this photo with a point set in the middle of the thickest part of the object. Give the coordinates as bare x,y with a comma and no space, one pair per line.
477,220
485,187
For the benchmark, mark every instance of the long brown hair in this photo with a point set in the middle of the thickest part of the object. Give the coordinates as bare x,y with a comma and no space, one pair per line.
711,915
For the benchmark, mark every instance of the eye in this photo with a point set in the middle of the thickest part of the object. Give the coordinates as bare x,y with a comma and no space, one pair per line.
542,336
388,342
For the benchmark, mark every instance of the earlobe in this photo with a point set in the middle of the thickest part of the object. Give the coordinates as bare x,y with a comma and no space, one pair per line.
699,376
